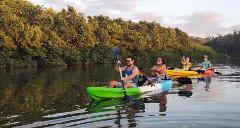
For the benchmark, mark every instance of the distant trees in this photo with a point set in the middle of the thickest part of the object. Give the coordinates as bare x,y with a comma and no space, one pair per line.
36,36
228,44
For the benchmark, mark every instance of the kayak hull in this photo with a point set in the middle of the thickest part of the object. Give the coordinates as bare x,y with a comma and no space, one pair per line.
187,73
99,93
181,72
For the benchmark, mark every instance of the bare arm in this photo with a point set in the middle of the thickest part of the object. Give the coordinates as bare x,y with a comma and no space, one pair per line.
183,62
153,68
210,65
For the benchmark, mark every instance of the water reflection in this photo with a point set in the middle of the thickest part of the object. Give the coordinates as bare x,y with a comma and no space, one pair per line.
184,86
27,95
129,111
207,80
56,97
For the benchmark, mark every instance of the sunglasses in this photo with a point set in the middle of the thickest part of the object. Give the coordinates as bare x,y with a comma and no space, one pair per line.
127,60
159,60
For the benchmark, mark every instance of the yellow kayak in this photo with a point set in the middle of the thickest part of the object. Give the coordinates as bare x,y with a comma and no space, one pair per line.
181,73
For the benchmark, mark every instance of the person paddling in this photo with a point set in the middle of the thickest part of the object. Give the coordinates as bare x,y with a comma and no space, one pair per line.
206,64
186,63
130,74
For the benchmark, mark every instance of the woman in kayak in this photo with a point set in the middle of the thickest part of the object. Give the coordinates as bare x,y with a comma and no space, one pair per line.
206,63
186,63
130,74
159,70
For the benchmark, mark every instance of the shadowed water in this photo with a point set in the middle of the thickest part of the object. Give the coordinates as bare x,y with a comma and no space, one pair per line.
56,97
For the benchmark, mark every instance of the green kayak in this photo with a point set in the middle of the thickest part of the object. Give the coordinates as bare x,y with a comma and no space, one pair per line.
99,93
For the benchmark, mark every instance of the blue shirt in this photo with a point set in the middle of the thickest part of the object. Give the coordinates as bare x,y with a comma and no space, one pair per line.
206,64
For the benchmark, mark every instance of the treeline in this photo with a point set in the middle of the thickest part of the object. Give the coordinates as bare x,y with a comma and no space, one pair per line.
37,36
228,44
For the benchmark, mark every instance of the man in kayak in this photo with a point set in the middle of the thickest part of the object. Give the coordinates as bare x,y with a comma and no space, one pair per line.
130,74
186,63
206,63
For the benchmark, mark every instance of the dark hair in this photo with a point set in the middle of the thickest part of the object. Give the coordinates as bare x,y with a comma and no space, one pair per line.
130,57
141,69
163,60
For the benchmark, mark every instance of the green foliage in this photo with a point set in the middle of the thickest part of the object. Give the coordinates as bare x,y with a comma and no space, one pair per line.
228,44
36,36
199,50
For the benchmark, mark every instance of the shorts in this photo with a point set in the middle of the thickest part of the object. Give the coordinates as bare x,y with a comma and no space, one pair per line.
120,85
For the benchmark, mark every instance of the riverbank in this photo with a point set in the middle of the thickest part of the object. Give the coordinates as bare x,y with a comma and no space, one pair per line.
34,36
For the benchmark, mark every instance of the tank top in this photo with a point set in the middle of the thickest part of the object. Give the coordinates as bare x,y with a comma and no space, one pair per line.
129,72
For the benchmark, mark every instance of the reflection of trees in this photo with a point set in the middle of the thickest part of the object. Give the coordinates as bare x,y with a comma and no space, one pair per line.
35,93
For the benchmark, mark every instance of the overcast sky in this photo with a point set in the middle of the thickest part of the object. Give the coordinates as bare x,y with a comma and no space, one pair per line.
196,17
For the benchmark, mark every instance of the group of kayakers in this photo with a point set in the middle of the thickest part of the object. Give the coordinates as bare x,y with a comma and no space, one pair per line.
132,76
202,66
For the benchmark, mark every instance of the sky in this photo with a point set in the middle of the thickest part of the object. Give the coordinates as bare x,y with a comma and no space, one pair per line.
199,18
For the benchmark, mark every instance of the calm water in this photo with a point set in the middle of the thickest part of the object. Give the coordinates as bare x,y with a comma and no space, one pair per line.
56,97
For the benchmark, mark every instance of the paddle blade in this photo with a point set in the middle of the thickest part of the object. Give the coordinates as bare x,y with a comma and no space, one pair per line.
116,52
218,73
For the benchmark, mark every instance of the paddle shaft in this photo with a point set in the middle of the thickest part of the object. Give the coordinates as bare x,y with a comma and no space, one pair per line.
116,53
126,98
120,72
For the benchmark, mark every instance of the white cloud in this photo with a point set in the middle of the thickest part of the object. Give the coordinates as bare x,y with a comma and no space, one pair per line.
204,24
118,5
111,8
197,24
148,16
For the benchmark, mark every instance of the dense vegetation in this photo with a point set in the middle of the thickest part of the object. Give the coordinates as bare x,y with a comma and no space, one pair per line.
228,44
37,36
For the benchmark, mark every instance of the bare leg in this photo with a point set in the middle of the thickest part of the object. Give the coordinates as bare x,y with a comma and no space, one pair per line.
128,85
113,84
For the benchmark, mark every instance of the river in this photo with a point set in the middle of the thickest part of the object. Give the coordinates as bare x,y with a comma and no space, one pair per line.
56,97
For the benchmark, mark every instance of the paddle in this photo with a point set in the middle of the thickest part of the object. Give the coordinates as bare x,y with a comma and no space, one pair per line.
199,71
116,51
228,57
